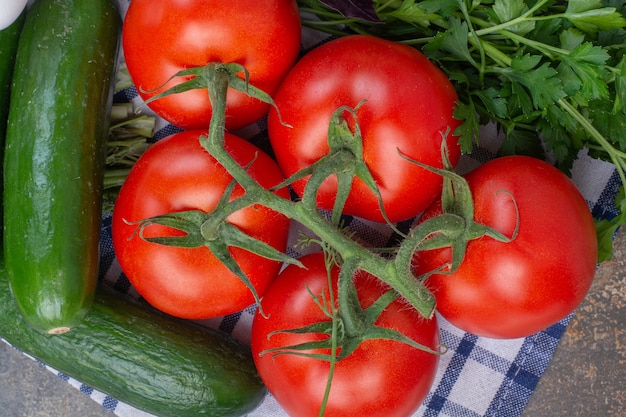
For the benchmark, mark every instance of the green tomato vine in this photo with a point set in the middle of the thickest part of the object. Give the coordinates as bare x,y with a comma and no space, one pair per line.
454,228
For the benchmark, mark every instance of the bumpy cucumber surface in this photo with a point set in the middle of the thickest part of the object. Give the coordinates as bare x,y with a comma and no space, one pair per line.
54,157
156,363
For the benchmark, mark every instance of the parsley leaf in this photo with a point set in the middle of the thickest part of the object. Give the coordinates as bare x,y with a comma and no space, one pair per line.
590,17
582,70
542,82
469,130
454,41
506,10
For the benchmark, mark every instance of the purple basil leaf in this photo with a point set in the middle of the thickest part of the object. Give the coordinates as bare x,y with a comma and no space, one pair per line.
357,9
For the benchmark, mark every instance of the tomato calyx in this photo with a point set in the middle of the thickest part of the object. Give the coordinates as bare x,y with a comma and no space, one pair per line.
349,325
455,227
345,161
205,77
212,231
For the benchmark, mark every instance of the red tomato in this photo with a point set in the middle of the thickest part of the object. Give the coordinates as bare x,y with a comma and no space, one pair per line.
177,174
509,290
380,378
410,104
163,37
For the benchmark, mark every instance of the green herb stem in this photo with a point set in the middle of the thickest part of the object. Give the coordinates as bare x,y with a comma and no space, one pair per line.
115,177
489,28
616,157
539,46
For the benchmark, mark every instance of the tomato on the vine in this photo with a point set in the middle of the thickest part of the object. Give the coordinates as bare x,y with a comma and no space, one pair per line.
177,174
161,38
408,108
381,378
517,288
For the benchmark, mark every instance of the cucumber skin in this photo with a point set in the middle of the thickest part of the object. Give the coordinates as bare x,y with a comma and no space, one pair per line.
54,157
159,364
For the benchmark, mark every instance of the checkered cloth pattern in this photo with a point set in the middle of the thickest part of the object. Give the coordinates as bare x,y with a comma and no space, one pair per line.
477,376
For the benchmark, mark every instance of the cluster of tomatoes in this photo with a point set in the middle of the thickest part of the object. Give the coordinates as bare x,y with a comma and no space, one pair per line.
405,103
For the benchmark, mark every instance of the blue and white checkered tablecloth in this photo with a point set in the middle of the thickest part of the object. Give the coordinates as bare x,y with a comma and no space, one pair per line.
477,376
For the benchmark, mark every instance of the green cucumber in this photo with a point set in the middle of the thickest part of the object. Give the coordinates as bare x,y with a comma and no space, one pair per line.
144,358
54,157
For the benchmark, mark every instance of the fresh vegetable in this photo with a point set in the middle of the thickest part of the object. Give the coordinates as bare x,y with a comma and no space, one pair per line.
153,362
515,289
550,74
177,174
405,104
54,157
381,377
262,35
11,11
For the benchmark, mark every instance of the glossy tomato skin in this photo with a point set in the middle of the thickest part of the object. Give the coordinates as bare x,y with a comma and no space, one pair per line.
510,290
380,379
163,37
177,174
410,104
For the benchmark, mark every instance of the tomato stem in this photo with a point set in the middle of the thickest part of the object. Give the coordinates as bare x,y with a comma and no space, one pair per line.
306,214
329,260
454,228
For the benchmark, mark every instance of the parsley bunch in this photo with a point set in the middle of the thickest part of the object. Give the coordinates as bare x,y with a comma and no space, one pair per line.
551,74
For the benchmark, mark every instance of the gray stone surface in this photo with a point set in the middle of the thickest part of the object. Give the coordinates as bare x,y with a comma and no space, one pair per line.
587,377
29,390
